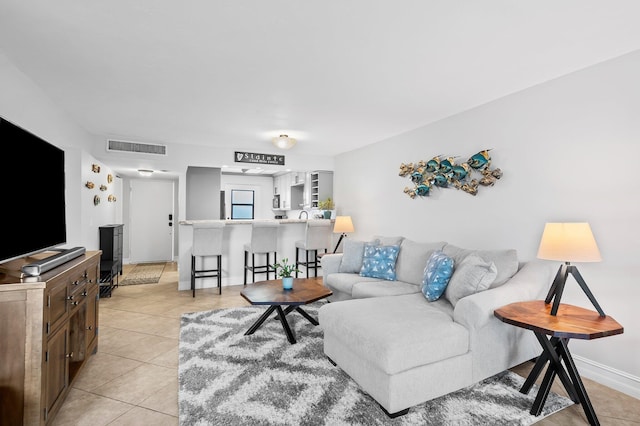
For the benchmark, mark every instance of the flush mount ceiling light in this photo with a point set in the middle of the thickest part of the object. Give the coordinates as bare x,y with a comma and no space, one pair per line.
283,142
145,172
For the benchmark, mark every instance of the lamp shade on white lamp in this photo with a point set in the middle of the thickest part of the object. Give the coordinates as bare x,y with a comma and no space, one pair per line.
568,242
342,225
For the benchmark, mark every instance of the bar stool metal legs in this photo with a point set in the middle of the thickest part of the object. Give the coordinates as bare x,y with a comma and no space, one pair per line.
316,237
258,269
264,241
206,273
308,264
207,242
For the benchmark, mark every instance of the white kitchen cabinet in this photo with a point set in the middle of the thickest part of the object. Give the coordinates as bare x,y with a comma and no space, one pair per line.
321,186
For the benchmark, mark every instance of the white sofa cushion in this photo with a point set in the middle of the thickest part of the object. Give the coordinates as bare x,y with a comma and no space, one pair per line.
413,258
506,261
387,241
344,282
472,275
353,252
396,333
382,288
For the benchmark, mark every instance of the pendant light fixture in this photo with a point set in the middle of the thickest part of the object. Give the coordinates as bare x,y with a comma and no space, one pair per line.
283,142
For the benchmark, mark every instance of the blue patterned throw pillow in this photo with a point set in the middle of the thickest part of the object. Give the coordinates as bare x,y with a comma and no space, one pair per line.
436,275
379,262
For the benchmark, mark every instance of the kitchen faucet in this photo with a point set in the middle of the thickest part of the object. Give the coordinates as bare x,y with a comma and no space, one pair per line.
305,212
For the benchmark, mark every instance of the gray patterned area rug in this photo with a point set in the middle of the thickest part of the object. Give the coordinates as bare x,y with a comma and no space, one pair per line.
227,378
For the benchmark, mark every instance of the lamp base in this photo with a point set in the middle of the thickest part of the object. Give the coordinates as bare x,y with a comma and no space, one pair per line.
339,241
555,292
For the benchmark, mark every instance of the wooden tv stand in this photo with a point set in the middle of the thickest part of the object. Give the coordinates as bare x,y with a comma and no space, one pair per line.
48,329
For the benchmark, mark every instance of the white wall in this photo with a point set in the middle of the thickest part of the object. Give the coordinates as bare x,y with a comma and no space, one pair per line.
95,215
24,104
569,150
263,192
203,193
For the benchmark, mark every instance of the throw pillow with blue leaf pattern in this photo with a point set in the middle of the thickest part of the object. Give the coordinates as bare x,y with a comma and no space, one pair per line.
436,275
380,261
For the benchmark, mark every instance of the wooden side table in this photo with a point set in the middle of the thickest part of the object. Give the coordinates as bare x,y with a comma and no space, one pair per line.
571,322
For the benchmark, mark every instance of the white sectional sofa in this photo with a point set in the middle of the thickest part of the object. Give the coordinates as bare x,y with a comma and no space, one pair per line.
403,349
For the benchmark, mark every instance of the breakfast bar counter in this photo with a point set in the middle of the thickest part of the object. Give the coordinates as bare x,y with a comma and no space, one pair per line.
237,233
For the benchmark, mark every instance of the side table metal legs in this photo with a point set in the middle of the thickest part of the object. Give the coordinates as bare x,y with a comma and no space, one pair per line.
556,350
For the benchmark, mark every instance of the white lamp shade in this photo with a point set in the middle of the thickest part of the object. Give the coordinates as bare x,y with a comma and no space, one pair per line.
568,242
343,224
283,142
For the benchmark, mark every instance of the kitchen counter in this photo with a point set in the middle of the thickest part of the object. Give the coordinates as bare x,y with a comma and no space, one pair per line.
246,221
236,235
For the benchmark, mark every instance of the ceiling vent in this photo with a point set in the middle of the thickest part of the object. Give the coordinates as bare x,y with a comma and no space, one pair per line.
141,148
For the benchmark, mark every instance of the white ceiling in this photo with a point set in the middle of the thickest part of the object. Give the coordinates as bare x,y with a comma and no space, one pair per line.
336,75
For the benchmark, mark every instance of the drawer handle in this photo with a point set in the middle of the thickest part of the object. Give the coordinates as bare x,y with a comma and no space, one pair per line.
70,298
75,303
90,328
84,293
69,355
77,282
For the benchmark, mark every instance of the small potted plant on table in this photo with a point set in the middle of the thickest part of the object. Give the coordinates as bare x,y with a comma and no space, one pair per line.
326,205
285,271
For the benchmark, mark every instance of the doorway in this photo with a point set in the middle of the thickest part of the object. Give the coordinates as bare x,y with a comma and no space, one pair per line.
151,220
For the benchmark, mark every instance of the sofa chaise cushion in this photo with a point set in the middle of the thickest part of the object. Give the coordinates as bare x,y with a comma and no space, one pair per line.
409,331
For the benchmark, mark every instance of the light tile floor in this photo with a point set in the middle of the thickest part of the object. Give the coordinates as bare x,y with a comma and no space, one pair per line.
132,379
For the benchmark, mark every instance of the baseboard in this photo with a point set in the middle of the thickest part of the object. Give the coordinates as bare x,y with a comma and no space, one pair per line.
608,376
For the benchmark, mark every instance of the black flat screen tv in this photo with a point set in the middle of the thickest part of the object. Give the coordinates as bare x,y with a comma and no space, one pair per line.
32,190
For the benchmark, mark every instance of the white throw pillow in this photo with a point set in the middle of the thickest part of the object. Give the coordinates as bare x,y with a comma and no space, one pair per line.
352,254
506,261
472,275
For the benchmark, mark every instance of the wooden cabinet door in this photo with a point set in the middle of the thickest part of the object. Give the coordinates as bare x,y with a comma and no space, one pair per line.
56,369
56,306
92,318
13,336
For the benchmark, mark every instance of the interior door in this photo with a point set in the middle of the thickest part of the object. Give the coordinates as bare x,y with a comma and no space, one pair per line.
151,229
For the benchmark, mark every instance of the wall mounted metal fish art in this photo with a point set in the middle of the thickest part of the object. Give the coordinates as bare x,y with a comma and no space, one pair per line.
444,172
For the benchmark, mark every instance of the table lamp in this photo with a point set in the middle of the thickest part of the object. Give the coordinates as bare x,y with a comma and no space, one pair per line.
568,242
343,224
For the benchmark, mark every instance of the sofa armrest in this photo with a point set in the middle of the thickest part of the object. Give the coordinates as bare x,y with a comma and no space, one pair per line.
496,346
330,263
531,282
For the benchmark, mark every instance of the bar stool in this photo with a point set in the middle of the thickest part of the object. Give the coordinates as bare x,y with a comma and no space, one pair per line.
264,240
207,241
316,237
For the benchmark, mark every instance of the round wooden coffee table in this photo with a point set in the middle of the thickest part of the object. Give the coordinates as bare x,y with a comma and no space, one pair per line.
305,291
